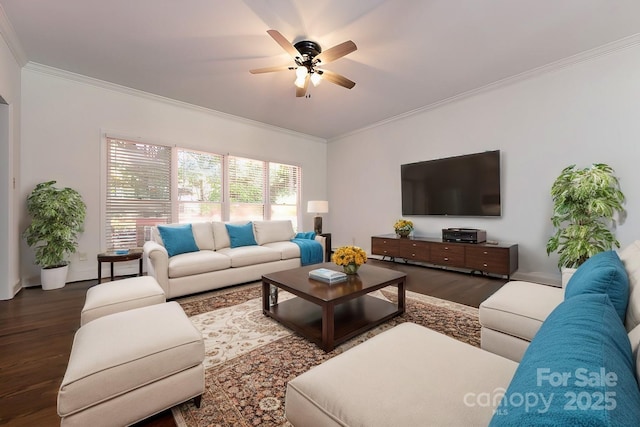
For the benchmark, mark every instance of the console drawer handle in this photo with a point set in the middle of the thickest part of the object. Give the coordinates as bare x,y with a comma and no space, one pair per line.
484,265
446,259
485,252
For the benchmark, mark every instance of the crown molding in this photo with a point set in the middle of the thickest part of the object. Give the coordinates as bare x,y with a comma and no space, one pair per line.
588,55
80,78
11,38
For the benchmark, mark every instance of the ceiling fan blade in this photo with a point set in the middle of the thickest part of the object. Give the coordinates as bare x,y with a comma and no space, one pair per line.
338,51
302,91
337,79
284,43
271,69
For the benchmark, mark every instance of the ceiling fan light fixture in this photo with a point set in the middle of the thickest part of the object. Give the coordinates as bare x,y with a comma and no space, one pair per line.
301,72
300,82
316,79
308,55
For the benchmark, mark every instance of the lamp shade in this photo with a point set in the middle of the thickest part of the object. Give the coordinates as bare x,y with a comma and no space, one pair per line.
317,206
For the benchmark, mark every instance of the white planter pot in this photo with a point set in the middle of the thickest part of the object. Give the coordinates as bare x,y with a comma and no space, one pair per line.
566,275
53,278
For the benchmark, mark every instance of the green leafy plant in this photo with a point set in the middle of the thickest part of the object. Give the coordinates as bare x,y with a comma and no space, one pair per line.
57,216
585,202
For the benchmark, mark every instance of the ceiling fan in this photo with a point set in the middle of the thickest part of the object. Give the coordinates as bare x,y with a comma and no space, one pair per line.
308,57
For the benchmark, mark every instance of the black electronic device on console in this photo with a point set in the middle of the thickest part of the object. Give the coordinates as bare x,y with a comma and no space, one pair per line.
464,235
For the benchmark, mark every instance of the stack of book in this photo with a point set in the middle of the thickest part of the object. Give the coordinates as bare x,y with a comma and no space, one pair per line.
328,276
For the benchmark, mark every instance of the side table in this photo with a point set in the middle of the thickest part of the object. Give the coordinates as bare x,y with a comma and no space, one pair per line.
111,257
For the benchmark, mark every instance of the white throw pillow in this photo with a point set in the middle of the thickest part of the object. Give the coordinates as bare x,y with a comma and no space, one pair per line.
630,257
273,231
634,337
203,235
155,236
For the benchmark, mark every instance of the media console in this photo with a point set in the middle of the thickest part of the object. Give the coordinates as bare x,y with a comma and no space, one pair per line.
500,258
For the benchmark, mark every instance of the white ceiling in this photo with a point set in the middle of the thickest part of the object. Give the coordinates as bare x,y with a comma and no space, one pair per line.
411,53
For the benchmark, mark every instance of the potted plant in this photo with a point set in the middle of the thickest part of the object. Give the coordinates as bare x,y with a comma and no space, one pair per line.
585,204
57,216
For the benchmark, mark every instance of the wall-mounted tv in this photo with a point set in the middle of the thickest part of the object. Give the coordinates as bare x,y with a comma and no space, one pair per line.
467,185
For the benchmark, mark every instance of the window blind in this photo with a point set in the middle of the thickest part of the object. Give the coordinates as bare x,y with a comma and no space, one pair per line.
247,193
138,192
284,190
199,186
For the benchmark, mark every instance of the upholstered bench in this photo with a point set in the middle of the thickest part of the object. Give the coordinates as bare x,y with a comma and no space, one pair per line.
113,297
127,366
511,317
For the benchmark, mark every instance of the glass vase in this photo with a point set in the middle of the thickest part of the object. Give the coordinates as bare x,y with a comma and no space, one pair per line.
350,268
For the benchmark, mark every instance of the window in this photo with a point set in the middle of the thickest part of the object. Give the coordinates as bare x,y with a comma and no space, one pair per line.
138,192
246,189
208,187
250,197
284,191
199,186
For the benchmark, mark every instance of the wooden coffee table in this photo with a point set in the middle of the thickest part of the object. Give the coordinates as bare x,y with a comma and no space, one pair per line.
332,314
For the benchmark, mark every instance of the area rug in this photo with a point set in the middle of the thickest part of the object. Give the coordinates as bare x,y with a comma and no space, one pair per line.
250,357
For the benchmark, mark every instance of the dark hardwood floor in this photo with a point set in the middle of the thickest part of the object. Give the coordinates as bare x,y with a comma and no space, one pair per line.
462,288
37,328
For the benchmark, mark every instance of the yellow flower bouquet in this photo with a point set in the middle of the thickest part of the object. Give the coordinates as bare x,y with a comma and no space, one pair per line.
403,227
350,258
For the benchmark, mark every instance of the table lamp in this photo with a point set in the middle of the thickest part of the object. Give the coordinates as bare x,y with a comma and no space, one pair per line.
318,207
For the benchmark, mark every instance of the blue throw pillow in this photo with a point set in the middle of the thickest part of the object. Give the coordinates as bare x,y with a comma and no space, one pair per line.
603,273
241,235
308,235
178,239
578,370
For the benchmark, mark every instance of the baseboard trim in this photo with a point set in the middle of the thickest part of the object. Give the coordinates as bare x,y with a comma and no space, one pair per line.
17,287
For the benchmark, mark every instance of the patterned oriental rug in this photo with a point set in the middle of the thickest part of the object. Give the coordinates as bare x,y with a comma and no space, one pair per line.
250,357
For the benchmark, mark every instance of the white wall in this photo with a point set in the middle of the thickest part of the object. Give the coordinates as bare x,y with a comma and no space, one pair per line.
63,120
579,114
9,169
588,112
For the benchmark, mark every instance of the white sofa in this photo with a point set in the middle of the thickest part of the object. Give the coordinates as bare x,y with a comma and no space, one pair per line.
216,264
512,316
410,375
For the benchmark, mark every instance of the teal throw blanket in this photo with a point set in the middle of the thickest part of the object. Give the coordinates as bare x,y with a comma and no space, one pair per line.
310,250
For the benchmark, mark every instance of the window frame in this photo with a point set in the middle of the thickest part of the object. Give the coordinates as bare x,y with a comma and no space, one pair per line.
174,199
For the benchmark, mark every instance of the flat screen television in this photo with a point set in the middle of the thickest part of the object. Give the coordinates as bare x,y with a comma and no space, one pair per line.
467,185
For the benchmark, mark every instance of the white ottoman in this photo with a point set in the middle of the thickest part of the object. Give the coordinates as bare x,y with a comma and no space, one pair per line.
406,376
130,365
114,297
